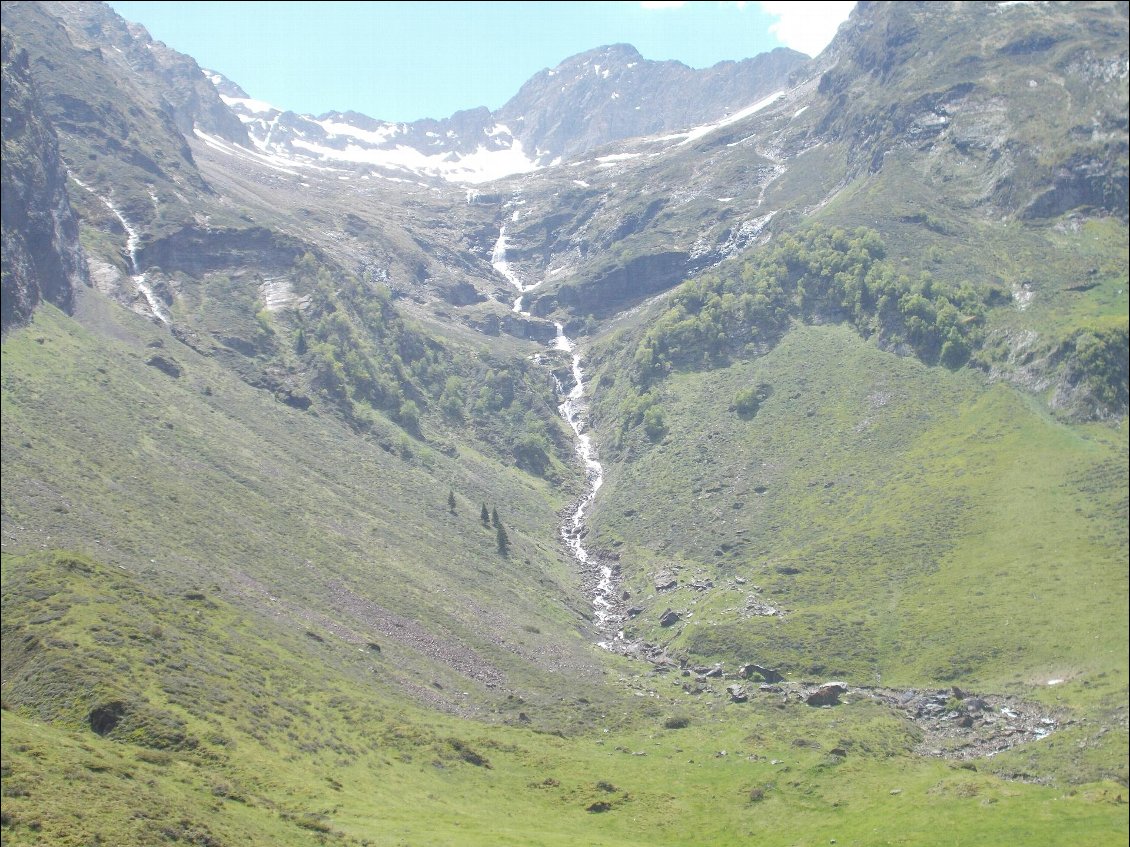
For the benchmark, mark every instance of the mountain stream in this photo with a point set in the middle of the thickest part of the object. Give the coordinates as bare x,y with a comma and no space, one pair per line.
574,409
133,242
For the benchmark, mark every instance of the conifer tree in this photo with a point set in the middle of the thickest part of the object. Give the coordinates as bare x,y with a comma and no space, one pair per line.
494,518
503,540
451,502
484,515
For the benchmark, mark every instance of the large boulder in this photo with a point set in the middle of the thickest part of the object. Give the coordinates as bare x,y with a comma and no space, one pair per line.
669,618
827,694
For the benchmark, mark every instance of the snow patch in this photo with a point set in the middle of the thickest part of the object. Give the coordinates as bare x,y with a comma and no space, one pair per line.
616,157
258,107
698,132
221,146
377,136
483,165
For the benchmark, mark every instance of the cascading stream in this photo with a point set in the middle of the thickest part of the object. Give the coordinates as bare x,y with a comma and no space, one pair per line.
133,244
574,410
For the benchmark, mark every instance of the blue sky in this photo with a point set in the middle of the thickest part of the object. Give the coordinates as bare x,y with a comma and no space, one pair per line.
400,61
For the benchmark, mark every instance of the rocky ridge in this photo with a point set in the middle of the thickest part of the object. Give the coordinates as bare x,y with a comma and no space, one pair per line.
584,103
43,260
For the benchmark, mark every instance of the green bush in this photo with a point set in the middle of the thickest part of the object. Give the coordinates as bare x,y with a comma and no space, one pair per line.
819,274
1098,359
747,402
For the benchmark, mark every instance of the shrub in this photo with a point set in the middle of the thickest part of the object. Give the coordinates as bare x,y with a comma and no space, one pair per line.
746,402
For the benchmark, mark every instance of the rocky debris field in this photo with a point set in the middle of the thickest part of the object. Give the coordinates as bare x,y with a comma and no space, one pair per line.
958,725
951,723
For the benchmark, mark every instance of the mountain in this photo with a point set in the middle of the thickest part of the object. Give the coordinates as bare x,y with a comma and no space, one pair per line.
613,93
584,103
749,465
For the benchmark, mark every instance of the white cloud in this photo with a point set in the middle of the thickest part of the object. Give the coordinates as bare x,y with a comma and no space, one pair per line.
662,4
807,27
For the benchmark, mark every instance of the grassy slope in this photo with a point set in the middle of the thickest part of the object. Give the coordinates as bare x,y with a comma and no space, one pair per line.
241,727
918,526
201,481
275,746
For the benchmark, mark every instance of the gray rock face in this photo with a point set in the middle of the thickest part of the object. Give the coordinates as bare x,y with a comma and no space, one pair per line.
612,93
121,106
43,260
183,92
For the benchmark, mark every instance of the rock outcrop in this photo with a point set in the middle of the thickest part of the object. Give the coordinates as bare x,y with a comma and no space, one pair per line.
43,261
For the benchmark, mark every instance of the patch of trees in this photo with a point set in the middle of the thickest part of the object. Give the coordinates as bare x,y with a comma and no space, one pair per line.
1097,358
359,347
362,352
492,519
820,274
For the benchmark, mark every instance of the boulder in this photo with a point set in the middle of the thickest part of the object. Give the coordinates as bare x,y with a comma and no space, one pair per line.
827,694
737,693
768,674
669,618
166,365
754,605
665,581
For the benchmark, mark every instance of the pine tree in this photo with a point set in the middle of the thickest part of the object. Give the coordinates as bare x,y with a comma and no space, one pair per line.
451,502
503,540
494,518
484,515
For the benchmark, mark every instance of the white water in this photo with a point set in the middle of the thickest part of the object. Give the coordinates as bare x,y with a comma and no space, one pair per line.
499,263
133,242
574,410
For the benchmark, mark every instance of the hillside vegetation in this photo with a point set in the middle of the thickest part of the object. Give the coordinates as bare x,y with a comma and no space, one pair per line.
298,547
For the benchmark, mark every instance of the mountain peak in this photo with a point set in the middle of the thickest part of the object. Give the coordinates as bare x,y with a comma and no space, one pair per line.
612,93
609,53
224,86
591,99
